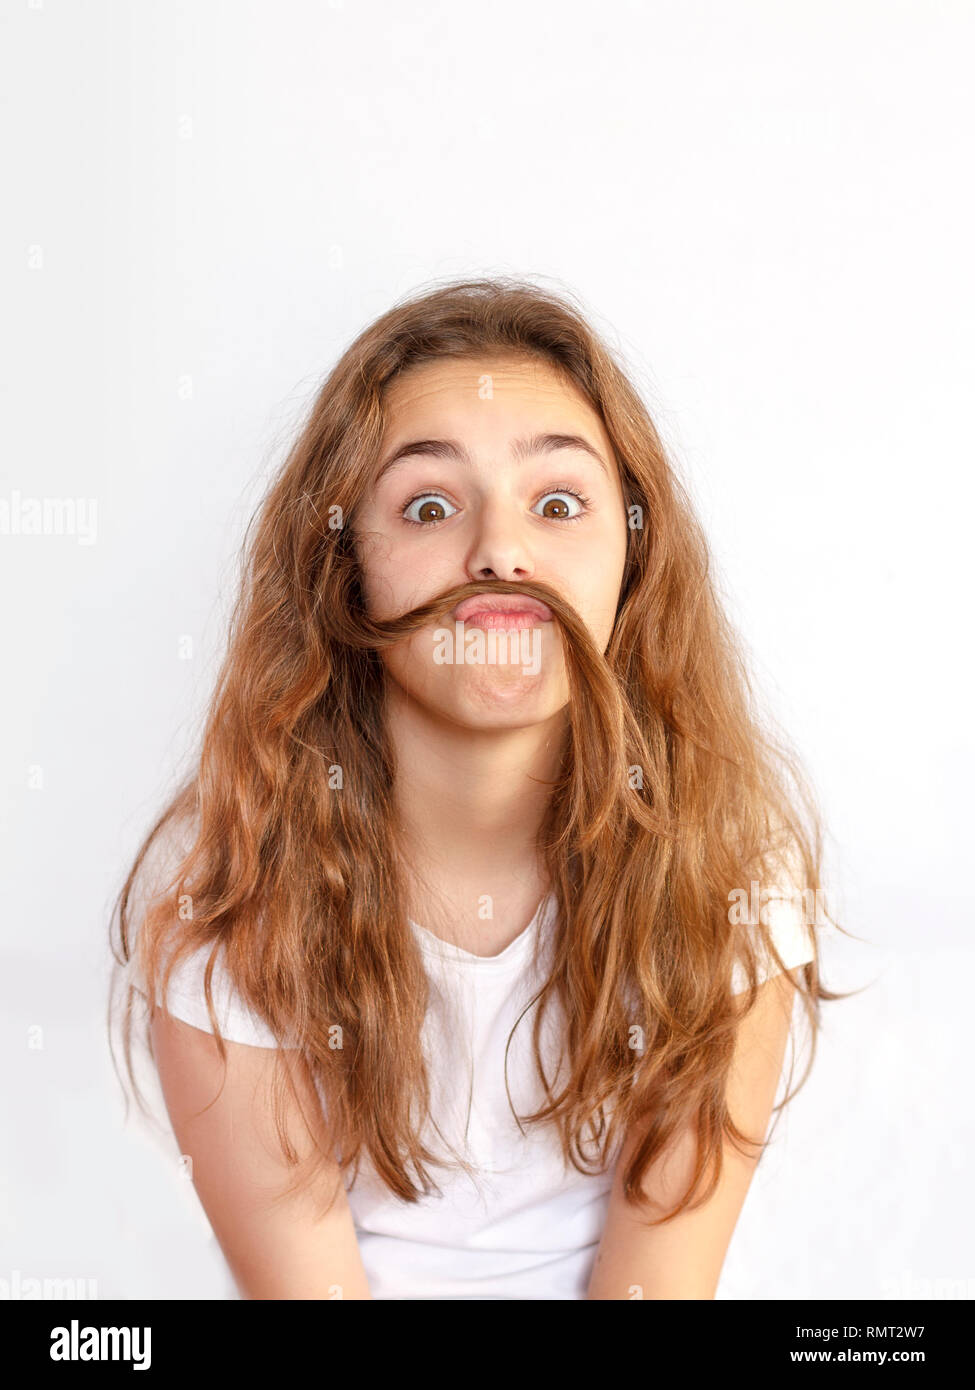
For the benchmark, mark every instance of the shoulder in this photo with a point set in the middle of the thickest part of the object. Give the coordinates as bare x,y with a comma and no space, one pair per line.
156,883
781,902
186,999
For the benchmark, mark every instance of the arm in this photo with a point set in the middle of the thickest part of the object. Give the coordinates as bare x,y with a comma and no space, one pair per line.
275,1251
682,1259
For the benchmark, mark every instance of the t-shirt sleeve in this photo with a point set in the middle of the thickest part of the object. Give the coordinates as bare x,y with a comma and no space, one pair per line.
783,910
186,1000
185,994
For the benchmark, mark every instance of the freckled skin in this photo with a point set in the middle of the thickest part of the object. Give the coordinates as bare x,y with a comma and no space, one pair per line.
501,520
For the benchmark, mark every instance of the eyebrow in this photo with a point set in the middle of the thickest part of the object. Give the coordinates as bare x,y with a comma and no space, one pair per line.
520,448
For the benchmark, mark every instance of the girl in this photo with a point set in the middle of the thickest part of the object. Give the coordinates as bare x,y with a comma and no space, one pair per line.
474,936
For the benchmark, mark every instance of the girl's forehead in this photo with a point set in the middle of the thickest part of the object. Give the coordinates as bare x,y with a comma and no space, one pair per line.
485,387
475,374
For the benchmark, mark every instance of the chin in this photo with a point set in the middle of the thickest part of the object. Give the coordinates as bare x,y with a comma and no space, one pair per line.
518,702
488,698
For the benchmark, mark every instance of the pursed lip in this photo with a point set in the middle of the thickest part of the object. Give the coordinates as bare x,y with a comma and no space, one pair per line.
502,603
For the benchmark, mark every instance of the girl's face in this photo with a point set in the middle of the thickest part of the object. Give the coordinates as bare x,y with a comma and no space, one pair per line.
479,481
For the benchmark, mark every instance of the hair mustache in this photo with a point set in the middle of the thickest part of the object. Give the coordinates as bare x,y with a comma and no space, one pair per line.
384,633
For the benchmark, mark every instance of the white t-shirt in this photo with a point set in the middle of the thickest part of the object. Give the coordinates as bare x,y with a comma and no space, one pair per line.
529,1227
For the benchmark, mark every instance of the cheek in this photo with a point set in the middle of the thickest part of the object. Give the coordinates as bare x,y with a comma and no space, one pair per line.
407,662
376,592
595,592
382,579
394,581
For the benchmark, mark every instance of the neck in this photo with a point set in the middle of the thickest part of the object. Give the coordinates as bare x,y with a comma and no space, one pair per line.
470,803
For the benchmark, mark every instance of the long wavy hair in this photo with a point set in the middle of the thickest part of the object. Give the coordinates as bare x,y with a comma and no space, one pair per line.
673,794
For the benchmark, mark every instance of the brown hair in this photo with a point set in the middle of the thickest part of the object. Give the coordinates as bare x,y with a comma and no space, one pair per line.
673,794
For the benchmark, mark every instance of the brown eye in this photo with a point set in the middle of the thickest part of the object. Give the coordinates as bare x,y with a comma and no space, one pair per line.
426,510
557,504
556,508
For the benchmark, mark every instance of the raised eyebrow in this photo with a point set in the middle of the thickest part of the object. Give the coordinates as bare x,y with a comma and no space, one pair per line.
521,448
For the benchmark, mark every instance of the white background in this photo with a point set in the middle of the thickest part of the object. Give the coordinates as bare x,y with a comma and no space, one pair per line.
767,207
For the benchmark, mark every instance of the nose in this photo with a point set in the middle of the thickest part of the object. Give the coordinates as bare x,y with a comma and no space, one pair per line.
500,549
